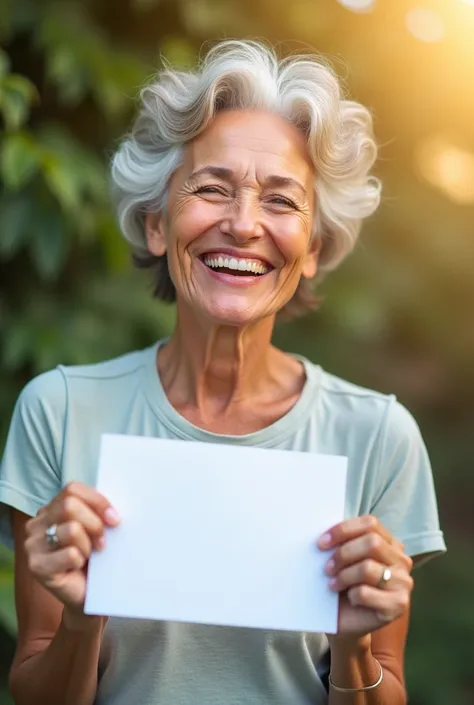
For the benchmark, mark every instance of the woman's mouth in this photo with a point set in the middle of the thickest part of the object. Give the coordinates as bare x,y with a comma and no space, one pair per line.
236,266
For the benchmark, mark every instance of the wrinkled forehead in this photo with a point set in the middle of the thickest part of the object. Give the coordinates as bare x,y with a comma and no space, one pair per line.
252,144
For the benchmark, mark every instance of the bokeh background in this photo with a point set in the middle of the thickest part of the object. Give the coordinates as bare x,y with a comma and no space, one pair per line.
399,314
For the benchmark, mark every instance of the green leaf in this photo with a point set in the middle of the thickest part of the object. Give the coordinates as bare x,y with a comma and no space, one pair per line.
19,159
75,175
15,109
17,94
50,243
15,216
62,183
22,85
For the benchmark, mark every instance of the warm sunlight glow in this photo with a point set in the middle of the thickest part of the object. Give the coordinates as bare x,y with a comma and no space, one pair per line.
358,5
448,167
425,25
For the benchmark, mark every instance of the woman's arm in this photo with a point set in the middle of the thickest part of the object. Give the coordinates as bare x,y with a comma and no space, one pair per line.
354,665
371,572
56,660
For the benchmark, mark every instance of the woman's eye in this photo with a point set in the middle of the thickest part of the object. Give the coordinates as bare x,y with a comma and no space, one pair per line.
213,190
283,201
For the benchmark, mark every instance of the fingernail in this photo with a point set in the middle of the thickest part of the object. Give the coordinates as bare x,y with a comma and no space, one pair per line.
111,516
329,567
333,583
101,543
324,541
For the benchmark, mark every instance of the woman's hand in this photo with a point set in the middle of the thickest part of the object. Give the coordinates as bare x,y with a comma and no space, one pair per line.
363,551
79,515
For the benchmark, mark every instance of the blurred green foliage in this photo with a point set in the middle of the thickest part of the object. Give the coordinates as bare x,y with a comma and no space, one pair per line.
397,316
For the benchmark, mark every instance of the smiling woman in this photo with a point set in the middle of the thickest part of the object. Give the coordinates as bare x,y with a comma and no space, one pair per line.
237,184
332,135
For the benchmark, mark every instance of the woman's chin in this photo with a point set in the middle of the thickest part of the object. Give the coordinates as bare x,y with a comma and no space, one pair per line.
238,316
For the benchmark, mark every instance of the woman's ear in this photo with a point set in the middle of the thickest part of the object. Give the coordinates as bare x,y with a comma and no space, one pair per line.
155,233
310,264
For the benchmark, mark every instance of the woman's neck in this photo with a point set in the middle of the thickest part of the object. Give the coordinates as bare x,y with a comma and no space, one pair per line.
214,372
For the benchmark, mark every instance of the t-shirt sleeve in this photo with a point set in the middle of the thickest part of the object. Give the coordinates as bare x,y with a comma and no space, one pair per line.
30,474
405,499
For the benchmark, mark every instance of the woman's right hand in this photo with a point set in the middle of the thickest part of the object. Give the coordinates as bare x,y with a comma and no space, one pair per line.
80,514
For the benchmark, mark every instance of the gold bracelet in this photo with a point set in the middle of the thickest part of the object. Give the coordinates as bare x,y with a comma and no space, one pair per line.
358,690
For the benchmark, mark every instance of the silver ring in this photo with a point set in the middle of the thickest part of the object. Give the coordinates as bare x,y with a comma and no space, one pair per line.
384,578
51,535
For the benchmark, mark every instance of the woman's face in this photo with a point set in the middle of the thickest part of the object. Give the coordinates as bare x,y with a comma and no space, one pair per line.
237,228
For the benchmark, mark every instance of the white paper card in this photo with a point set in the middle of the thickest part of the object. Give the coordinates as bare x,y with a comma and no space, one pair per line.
216,534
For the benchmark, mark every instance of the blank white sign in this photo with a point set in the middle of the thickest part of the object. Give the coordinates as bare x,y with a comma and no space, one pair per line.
217,534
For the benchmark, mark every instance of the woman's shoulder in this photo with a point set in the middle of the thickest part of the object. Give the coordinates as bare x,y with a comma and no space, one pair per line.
363,406
341,391
123,366
49,393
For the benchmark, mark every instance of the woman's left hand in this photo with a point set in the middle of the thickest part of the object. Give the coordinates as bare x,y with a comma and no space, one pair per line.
362,550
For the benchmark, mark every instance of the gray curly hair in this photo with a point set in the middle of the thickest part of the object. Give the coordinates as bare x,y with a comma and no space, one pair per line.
178,105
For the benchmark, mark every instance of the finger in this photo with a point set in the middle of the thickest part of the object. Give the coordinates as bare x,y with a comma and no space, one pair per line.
388,604
46,567
351,529
369,572
72,533
65,510
369,546
93,499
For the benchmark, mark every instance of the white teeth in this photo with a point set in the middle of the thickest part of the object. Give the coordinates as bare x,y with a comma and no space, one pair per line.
240,264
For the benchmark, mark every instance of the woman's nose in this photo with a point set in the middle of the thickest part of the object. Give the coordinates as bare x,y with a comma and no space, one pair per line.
244,223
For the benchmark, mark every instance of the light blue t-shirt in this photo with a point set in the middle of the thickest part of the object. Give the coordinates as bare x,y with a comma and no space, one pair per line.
54,438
